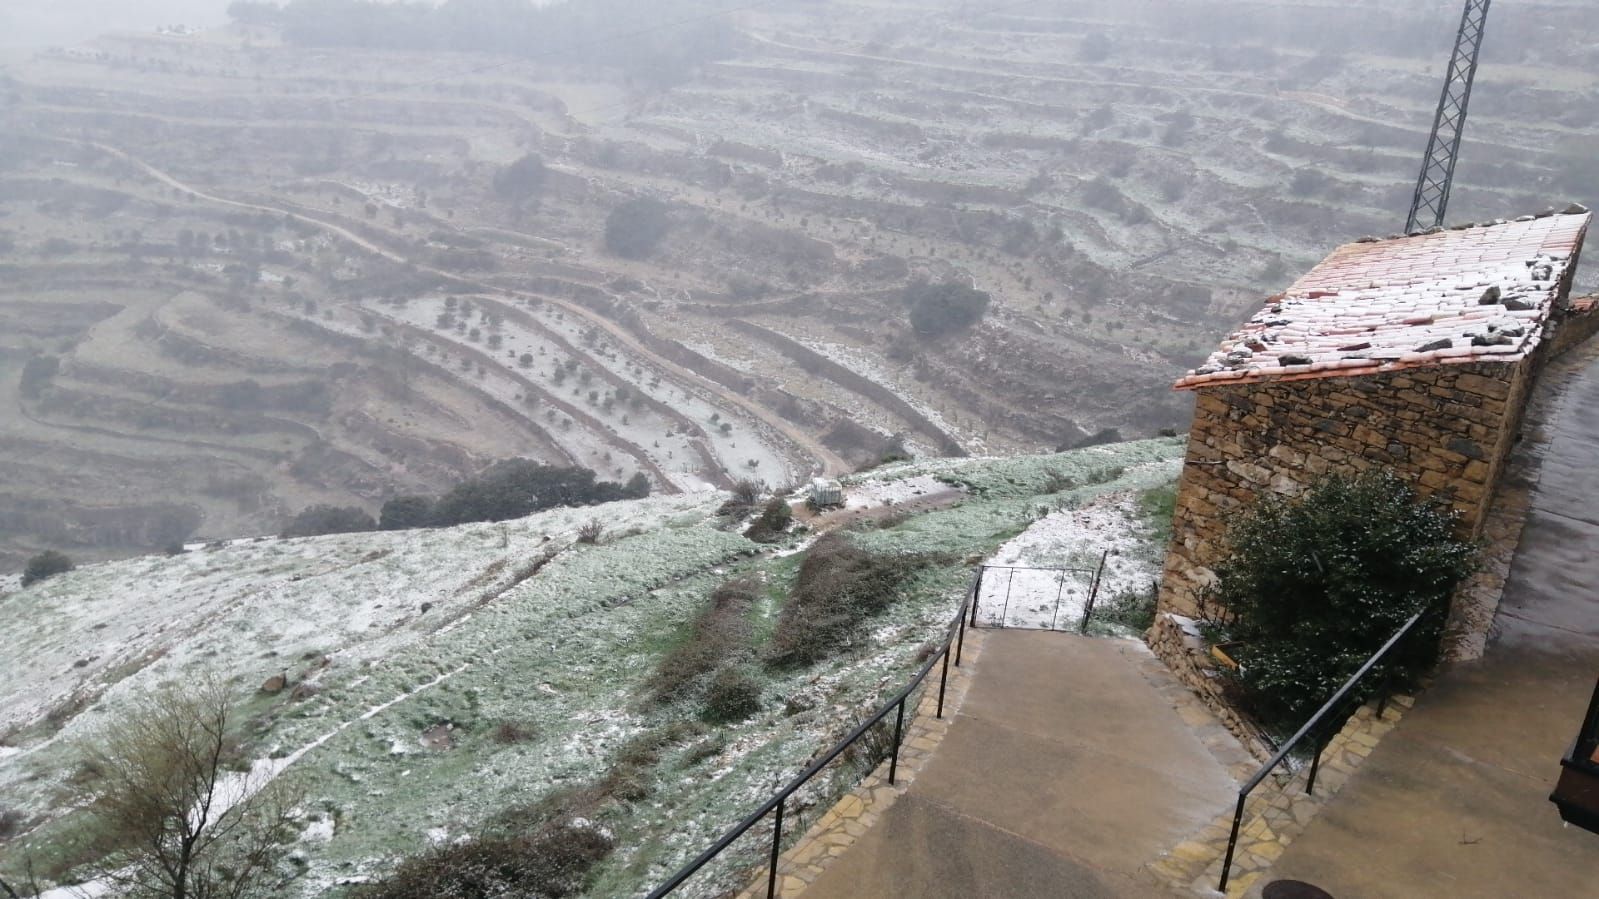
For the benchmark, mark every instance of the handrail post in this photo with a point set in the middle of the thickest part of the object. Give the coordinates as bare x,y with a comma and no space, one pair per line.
960,642
777,845
1232,841
1060,591
943,679
1315,765
899,725
977,592
1093,592
1005,610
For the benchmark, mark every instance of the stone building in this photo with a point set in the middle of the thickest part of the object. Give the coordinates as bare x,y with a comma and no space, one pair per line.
1415,354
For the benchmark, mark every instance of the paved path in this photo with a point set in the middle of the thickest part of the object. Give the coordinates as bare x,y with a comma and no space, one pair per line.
1455,801
1072,764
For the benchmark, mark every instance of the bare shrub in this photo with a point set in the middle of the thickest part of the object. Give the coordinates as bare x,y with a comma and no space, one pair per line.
839,585
591,531
746,495
874,746
721,630
734,695
555,861
171,818
511,732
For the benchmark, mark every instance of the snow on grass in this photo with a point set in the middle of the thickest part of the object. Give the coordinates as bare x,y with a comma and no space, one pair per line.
561,654
874,493
1023,589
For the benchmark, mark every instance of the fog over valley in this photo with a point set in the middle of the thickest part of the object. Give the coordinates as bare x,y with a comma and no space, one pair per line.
508,401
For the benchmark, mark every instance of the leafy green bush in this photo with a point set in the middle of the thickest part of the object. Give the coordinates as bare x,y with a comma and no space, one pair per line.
515,488
47,564
734,694
1317,583
838,586
772,522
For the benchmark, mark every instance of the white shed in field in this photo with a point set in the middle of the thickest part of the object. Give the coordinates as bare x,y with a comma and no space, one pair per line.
825,492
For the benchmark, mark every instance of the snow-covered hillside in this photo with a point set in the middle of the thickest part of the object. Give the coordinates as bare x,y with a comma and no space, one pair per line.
405,656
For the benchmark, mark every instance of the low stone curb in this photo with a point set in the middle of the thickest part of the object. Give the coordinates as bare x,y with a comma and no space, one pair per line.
837,830
1278,811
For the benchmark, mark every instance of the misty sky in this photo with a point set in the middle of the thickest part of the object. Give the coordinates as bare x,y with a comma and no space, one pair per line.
38,23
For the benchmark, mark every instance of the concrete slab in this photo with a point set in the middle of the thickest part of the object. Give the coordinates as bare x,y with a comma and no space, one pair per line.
924,849
1065,774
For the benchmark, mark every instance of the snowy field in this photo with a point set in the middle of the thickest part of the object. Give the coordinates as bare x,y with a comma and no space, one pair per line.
405,652
1043,578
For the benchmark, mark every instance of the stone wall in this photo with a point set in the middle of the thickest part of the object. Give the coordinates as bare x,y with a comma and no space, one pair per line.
1445,429
1176,641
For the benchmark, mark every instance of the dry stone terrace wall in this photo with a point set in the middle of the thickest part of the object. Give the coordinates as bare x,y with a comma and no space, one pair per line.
1447,430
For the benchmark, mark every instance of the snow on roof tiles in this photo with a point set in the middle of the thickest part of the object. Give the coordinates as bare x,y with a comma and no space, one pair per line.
1468,295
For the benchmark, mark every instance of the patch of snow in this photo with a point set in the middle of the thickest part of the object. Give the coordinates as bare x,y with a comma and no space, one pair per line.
1023,589
872,494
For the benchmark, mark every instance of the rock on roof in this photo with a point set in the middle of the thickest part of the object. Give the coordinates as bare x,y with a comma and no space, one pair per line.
1473,294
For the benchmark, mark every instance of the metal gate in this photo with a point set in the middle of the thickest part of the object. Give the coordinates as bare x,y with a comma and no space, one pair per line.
1036,597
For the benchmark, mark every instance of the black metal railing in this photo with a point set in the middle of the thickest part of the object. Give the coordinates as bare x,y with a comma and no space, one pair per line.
1320,729
1093,575
955,639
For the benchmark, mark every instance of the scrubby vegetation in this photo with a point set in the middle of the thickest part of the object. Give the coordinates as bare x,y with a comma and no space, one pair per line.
734,694
720,632
938,309
522,179
839,586
552,861
746,495
1315,584
634,228
513,488
773,521
404,512
47,564
323,519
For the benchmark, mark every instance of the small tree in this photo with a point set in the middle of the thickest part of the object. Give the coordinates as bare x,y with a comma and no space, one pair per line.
522,179
938,309
47,564
405,512
634,228
172,818
772,522
1318,583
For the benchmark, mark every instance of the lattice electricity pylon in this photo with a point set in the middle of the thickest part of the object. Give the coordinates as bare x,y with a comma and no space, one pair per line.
1443,148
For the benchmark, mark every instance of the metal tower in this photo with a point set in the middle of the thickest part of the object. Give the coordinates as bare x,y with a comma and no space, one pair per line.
1443,149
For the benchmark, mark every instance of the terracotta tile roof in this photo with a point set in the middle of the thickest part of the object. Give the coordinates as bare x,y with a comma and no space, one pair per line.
1469,295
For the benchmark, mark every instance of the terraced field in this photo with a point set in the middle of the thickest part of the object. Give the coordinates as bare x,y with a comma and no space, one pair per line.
240,277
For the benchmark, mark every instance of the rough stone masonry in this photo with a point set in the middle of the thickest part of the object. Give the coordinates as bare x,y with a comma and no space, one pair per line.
1415,354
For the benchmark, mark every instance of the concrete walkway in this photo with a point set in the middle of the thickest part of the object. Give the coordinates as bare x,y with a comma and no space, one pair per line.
1073,763
1455,801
